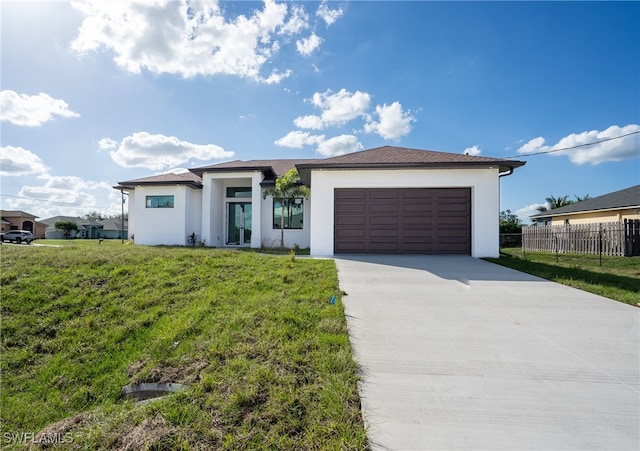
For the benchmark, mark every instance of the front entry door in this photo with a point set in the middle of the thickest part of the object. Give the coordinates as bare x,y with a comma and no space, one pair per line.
239,223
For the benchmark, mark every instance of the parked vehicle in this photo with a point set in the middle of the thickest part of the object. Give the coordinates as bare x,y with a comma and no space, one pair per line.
18,236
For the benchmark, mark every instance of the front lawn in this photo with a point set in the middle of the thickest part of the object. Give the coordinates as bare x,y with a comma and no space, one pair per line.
264,354
618,278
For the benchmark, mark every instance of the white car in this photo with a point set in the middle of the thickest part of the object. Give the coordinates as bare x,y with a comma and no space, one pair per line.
18,236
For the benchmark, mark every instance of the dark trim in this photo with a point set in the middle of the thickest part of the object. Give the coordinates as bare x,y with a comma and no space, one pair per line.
266,170
124,185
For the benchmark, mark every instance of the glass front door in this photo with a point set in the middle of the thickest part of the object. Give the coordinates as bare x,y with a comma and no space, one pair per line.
239,223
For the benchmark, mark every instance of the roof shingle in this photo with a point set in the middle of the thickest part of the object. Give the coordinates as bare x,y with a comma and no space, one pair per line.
625,198
188,178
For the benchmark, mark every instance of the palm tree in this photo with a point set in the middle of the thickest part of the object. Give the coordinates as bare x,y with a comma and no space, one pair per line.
554,203
581,198
286,190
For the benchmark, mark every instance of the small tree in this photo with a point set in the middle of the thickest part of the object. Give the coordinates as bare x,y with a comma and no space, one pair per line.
286,189
94,216
67,227
509,223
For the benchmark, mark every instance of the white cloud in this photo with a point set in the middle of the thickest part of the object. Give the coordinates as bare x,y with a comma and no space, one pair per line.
311,121
306,46
298,139
342,106
532,146
336,109
394,122
107,144
298,21
524,213
67,196
32,111
188,38
339,145
16,161
159,152
590,149
473,150
329,15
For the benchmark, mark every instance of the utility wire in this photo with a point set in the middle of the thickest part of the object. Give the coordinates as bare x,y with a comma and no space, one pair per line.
573,147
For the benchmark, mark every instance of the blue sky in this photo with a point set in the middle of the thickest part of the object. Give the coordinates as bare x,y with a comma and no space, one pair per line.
95,92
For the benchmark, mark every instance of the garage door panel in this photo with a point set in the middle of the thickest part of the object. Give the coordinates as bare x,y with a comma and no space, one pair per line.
350,194
417,220
383,220
383,208
358,233
422,208
351,208
343,221
403,220
422,233
382,194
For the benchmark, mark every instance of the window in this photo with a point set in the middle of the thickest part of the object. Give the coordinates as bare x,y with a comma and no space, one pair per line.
244,191
159,201
293,212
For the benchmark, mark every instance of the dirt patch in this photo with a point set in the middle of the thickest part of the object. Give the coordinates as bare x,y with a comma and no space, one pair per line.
65,425
165,374
147,433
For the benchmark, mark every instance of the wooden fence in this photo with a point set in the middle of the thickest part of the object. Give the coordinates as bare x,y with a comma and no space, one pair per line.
605,238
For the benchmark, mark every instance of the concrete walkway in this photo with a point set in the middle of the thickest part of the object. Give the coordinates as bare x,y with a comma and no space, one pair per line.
459,353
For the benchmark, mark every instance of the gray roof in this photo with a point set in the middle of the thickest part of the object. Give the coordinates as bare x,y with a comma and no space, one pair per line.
50,222
105,224
391,157
386,157
113,224
185,178
270,168
625,198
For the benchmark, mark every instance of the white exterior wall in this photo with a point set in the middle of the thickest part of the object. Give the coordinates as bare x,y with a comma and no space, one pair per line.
271,236
214,205
168,226
193,214
485,200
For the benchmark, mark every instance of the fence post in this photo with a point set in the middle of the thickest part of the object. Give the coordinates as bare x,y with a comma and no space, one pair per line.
600,241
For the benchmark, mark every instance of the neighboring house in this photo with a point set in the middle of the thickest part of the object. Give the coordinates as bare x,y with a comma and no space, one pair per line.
382,200
87,229
20,220
616,206
113,229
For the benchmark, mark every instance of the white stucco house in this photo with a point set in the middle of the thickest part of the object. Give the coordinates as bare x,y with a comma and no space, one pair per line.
382,200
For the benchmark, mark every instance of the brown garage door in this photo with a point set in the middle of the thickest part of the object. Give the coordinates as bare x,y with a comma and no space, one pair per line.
402,220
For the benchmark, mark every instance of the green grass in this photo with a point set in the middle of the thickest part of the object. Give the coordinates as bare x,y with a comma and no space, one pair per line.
618,278
264,354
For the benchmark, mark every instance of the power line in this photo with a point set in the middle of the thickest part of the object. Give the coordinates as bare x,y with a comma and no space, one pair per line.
573,147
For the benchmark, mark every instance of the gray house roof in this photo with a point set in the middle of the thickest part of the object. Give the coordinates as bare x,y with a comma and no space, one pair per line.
386,157
81,222
625,198
185,178
270,168
390,157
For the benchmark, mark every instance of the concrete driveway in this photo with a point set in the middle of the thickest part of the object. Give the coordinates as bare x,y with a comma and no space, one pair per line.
459,353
